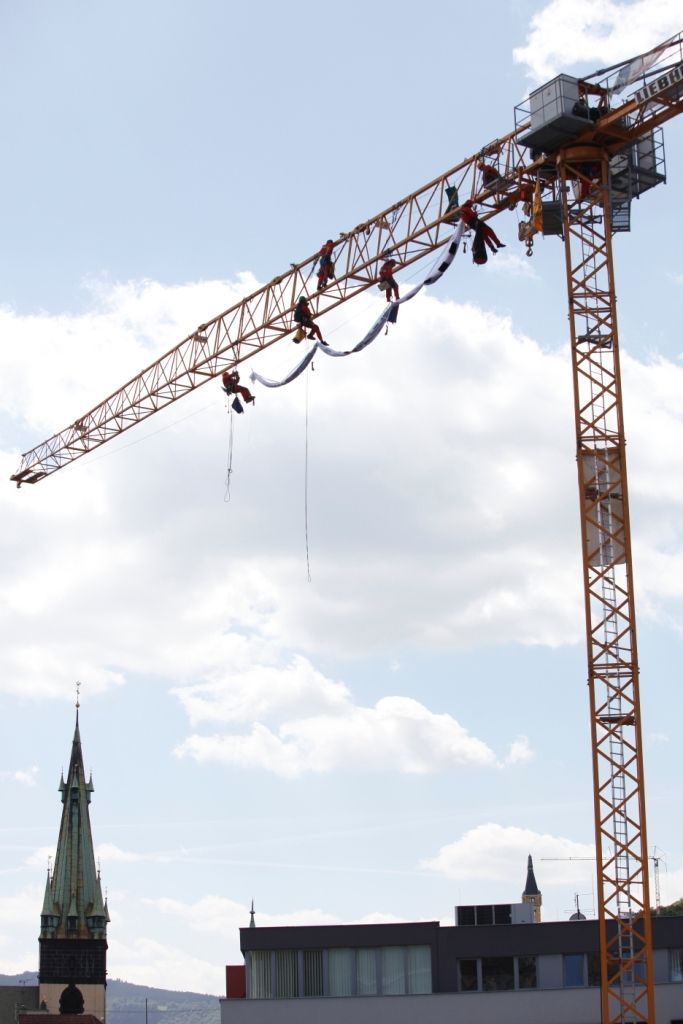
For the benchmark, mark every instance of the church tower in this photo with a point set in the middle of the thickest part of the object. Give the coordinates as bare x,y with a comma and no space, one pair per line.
532,894
74,918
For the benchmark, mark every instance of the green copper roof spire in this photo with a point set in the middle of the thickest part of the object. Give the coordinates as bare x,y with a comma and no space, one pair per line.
73,906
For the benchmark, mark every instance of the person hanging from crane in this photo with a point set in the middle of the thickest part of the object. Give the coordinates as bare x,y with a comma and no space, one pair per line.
586,183
326,268
580,108
601,108
304,318
489,173
387,281
483,233
231,385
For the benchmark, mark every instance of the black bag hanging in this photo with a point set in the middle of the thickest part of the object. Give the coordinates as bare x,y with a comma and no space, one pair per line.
479,245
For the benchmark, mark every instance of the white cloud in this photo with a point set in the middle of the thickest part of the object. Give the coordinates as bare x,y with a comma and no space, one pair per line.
487,851
40,856
514,265
19,951
60,365
597,32
109,852
372,525
145,961
520,751
21,906
398,734
262,691
222,916
477,513
24,776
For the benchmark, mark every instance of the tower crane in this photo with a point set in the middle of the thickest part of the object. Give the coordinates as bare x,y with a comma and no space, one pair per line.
579,166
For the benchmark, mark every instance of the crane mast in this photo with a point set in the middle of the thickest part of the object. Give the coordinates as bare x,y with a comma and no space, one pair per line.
617,753
583,173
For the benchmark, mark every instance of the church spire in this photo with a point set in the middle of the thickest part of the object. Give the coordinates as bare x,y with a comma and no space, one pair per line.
531,888
73,905
532,894
74,917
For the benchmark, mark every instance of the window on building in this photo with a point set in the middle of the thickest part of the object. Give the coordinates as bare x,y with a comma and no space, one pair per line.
290,973
313,972
286,973
573,970
677,964
593,964
340,970
466,916
485,915
366,972
526,966
260,984
497,973
419,970
468,975
502,913
393,963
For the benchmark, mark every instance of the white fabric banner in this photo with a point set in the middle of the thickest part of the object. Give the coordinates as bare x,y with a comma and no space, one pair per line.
637,67
439,268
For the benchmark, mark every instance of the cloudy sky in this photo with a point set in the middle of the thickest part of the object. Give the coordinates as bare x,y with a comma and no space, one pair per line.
394,735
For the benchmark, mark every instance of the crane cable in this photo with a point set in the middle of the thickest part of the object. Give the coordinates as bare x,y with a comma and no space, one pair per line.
308,560
228,470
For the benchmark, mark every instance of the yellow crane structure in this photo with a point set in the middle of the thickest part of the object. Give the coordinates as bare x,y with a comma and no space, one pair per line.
580,151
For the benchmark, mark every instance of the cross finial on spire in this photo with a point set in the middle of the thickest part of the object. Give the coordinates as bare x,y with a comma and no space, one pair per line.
78,695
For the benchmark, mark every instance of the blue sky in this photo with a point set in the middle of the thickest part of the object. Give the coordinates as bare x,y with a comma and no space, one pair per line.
394,736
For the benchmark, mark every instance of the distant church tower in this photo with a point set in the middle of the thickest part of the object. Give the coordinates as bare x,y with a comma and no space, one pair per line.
532,894
73,922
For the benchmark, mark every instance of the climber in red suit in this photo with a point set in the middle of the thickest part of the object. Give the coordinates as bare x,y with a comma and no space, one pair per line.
469,215
387,274
232,386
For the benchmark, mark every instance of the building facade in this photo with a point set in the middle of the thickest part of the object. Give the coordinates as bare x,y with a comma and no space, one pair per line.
514,973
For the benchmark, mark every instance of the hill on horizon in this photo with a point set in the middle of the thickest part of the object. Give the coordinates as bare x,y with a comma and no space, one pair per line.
142,1004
